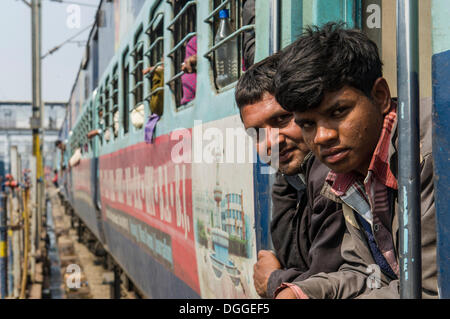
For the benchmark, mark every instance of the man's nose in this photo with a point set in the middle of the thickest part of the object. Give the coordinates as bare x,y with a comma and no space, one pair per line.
273,137
325,135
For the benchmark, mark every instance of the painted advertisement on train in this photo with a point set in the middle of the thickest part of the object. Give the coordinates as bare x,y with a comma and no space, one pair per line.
202,232
148,198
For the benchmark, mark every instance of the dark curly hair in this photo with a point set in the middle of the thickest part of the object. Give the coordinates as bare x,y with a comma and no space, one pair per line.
256,81
325,59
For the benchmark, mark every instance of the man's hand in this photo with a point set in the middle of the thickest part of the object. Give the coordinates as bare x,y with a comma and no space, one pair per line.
266,264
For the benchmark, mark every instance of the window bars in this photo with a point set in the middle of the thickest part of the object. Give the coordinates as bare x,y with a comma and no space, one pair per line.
155,52
235,7
125,87
106,107
90,119
98,108
137,53
114,85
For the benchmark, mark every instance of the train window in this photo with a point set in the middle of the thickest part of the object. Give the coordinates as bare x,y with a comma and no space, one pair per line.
137,92
155,55
80,134
183,28
99,109
85,129
90,123
226,72
107,111
115,100
101,112
125,87
73,142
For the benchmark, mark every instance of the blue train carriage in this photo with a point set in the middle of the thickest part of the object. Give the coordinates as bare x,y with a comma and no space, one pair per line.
178,228
181,214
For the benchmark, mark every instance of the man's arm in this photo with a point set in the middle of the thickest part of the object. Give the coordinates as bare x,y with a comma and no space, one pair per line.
311,235
353,277
273,269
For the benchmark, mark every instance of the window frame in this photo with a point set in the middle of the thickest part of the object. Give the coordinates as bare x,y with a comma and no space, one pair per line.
125,87
177,58
106,108
137,78
155,24
235,8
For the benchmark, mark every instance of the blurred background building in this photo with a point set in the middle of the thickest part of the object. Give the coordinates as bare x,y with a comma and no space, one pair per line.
15,130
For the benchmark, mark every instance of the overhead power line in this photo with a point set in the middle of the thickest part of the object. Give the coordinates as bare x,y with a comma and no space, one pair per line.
66,41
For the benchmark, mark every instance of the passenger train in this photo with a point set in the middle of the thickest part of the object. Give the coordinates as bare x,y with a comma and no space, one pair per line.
192,228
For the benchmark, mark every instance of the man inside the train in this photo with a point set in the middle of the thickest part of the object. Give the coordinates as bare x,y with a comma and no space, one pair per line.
331,79
306,228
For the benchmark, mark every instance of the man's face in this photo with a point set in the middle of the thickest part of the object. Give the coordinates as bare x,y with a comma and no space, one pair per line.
269,115
344,129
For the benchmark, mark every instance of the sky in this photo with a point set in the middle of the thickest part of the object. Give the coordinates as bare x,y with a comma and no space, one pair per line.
60,21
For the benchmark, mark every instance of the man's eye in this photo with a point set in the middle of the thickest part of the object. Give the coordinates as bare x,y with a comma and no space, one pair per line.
284,118
306,124
339,111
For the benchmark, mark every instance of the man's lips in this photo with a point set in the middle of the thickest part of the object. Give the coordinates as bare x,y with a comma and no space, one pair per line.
285,154
334,155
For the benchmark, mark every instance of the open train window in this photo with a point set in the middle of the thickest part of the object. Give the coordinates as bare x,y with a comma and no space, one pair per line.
80,131
74,141
107,111
101,112
90,118
230,70
126,95
183,28
85,127
137,91
115,100
155,54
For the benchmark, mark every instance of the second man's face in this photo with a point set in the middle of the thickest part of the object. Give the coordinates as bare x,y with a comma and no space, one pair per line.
275,129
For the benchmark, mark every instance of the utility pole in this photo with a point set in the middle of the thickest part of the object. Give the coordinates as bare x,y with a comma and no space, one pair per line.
37,114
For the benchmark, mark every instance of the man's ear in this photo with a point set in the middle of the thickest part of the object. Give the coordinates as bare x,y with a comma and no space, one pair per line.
381,95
